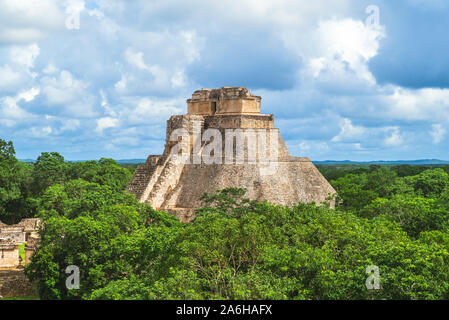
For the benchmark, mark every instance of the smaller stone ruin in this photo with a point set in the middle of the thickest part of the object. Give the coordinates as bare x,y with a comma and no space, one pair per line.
13,282
11,237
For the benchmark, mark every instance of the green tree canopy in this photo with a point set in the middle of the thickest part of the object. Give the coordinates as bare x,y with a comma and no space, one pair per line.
233,249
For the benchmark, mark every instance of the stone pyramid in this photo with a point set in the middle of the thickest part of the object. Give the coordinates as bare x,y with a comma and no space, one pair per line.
223,141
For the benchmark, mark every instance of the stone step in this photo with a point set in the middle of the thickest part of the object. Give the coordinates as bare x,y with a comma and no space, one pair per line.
168,180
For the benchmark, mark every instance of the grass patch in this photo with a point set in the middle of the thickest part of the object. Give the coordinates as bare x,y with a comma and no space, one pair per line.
23,298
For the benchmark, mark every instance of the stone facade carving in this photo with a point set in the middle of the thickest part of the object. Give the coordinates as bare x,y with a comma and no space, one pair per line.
177,187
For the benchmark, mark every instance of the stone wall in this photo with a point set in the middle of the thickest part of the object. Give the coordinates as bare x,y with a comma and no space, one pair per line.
295,181
9,256
244,121
13,283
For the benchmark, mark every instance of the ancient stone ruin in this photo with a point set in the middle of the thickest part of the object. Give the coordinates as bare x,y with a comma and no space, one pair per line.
11,237
223,141
12,278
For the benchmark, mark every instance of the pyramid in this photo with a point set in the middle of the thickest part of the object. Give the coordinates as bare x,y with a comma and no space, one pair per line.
224,141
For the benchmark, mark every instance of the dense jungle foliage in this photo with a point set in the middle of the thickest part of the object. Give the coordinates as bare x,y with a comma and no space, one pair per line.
396,218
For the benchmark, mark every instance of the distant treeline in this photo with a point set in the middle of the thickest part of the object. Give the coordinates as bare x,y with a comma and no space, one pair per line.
335,171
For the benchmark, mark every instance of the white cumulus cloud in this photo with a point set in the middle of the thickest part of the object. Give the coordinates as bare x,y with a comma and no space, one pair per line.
438,133
395,139
105,123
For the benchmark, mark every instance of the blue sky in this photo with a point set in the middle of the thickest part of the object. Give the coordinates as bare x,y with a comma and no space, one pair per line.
341,85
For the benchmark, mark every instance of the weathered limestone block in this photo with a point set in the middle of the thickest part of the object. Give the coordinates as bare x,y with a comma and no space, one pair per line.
9,256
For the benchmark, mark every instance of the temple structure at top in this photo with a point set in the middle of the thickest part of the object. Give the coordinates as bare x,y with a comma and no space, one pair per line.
227,100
